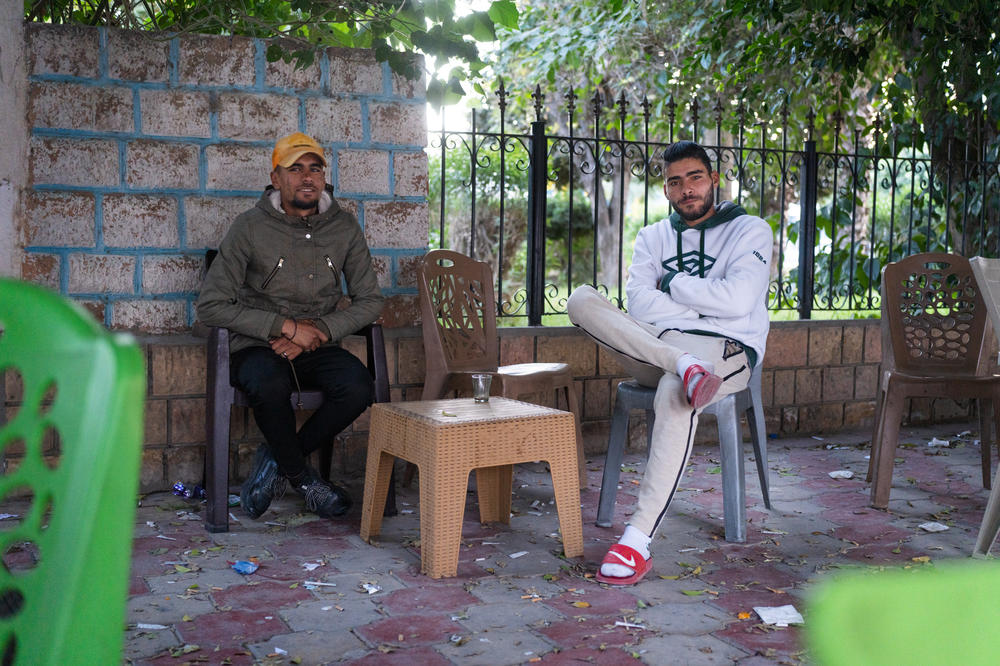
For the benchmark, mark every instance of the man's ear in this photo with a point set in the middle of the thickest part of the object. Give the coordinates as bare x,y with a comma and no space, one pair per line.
274,178
715,178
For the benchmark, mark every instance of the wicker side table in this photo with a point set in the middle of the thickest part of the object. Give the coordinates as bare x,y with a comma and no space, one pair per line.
446,440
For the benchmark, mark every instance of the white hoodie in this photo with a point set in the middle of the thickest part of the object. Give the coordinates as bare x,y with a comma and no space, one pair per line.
711,278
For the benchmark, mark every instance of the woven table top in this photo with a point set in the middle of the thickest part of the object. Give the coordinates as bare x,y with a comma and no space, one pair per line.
461,411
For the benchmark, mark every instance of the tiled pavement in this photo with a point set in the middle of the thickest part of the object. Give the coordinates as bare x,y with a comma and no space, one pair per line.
694,608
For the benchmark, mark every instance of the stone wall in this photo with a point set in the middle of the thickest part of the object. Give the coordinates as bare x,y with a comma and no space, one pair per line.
819,377
141,152
13,129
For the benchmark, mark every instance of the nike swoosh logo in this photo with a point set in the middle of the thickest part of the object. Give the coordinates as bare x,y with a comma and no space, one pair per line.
630,561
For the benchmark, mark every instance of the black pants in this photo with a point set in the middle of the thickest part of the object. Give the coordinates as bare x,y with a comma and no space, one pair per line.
267,380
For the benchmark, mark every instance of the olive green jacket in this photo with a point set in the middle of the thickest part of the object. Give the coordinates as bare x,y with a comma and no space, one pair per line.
272,266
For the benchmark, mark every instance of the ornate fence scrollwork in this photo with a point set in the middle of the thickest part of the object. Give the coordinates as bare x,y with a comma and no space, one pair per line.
838,215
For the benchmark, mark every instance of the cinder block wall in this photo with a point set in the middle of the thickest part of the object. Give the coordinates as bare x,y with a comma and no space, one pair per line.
142,151
819,378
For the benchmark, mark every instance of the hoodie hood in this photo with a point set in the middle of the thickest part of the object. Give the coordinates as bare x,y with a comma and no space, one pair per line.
725,211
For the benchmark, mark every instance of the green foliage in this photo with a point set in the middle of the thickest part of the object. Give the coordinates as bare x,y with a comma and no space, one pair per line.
932,63
557,216
585,45
929,61
302,28
922,73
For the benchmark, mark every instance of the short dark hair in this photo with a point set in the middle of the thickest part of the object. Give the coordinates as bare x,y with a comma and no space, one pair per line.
684,149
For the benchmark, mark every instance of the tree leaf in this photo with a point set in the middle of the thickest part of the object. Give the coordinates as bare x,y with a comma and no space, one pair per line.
504,12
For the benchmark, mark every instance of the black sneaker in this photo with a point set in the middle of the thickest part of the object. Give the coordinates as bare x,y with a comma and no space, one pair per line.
264,484
323,498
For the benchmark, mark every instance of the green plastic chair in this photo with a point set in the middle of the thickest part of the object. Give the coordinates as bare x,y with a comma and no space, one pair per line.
65,572
937,614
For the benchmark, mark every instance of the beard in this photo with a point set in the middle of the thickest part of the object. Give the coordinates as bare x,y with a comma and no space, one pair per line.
302,204
699,211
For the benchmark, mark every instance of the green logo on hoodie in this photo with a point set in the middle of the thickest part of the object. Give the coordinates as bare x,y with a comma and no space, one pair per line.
689,262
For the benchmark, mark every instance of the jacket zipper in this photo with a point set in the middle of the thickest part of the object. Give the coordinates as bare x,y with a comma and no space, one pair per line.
274,271
333,269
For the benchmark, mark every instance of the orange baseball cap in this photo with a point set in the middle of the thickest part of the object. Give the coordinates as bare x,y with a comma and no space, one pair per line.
292,147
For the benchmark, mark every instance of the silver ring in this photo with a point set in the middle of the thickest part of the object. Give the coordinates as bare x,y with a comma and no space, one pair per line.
285,354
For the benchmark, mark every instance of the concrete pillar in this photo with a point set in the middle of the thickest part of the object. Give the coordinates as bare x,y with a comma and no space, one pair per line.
14,130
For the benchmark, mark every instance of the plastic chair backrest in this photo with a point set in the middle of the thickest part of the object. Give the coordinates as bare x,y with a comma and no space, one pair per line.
987,272
64,582
936,315
458,310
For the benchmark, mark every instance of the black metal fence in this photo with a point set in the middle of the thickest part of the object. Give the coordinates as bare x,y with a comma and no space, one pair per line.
554,207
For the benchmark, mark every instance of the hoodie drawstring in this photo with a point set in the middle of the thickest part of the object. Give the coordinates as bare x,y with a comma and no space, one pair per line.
701,253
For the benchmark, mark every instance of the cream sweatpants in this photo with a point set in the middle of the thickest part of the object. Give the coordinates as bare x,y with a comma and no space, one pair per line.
650,355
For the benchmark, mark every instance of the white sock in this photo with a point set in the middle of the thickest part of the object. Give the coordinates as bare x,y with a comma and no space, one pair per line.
633,538
685,362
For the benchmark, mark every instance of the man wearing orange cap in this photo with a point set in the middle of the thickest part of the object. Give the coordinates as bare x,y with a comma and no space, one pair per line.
278,284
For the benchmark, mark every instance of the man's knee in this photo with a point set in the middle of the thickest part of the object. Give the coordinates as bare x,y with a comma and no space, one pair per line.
348,381
579,301
360,387
261,375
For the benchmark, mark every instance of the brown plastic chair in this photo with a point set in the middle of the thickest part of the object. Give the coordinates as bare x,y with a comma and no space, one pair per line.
223,396
934,334
459,316
987,272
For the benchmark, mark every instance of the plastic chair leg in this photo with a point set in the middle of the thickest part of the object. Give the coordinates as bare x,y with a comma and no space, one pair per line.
985,437
884,461
613,462
755,421
573,403
733,480
991,522
217,468
876,433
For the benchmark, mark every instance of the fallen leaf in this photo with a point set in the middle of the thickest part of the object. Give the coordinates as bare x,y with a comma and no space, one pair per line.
921,558
692,593
580,604
743,616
